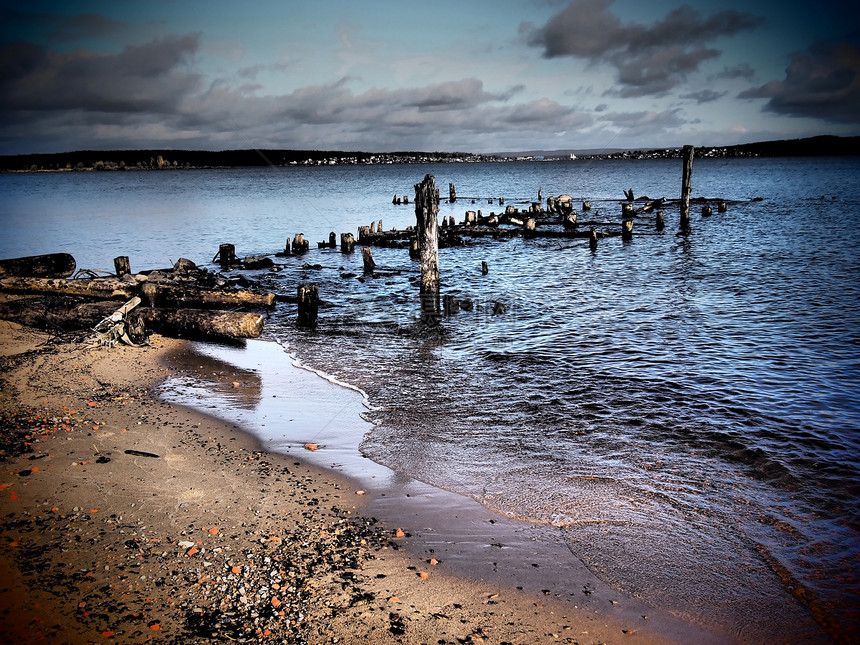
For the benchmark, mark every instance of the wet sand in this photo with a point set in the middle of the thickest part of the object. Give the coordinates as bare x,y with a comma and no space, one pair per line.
126,518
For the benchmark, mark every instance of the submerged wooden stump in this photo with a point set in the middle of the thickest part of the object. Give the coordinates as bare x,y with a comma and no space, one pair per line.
300,244
226,255
347,243
627,230
367,256
309,300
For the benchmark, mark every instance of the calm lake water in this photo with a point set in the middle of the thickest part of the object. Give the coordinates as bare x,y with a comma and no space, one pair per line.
684,408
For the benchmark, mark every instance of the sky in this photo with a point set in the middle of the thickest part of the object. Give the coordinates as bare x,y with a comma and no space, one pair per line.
477,76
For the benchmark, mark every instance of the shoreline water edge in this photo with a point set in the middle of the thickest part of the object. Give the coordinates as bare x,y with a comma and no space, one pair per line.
130,519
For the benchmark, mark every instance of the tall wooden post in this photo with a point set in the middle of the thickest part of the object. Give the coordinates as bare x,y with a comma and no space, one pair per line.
309,300
426,214
686,178
452,193
332,240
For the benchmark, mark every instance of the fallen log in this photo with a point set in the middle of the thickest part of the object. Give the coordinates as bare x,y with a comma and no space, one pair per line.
103,288
201,323
160,295
176,323
51,265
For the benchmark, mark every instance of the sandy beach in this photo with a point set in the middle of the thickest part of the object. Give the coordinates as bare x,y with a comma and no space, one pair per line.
128,519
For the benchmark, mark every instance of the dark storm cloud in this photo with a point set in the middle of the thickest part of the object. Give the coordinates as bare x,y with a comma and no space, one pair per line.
56,28
141,78
650,59
822,82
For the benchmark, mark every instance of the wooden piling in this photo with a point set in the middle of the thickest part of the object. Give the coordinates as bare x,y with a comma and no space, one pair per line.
426,214
332,240
300,244
686,178
592,240
586,206
122,266
627,230
451,304
347,242
367,256
627,210
485,268
452,193
309,300
414,252
722,207
226,255
661,223
707,211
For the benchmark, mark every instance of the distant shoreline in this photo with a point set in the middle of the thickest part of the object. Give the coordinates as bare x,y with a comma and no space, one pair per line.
164,159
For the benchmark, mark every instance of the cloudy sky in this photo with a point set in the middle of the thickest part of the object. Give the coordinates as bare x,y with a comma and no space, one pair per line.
454,75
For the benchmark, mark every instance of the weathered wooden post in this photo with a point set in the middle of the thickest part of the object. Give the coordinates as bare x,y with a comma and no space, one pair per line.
347,242
122,265
707,211
426,214
414,252
287,249
627,230
661,223
530,224
300,244
367,256
451,304
627,210
586,206
309,300
722,207
226,255
485,268
592,239
540,194
332,240
452,193
686,178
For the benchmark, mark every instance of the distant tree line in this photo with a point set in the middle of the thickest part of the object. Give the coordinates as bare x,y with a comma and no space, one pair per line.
113,160
177,159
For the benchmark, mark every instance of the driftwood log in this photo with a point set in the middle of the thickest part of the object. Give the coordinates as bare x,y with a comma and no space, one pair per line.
159,295
51,265
177,323
103,288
